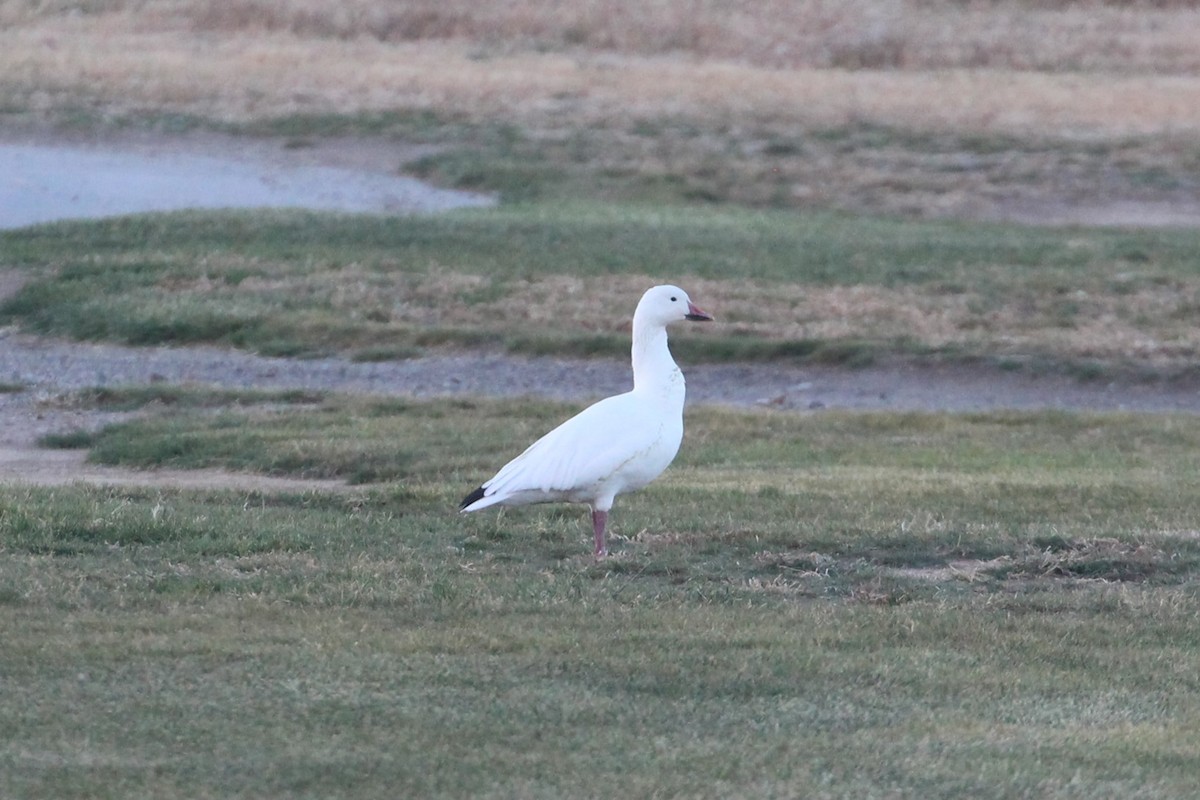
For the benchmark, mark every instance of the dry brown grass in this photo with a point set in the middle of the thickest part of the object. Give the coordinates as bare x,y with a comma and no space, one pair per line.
1149,324
1089,70
783,34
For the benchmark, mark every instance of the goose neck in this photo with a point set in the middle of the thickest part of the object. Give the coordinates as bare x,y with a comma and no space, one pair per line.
653,366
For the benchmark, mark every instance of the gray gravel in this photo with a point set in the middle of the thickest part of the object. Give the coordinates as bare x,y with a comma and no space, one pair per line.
48,368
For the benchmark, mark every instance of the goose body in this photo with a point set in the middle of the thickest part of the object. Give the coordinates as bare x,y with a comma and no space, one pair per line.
617,445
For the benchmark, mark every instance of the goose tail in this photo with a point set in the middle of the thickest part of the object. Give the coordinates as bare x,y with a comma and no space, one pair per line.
473,497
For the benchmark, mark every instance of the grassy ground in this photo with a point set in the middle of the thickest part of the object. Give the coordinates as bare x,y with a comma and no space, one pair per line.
563,279
830,605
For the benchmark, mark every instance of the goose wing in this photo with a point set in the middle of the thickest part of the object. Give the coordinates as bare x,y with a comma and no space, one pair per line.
576,458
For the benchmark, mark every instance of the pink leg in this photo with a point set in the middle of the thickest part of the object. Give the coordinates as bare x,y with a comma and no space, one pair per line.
599,520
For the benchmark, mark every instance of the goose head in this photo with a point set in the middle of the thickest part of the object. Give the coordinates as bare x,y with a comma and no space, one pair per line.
663,305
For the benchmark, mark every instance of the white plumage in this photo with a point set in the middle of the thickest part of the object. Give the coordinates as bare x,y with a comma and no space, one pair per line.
619,444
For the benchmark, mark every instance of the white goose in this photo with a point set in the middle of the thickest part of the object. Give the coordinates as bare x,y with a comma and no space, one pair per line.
619,444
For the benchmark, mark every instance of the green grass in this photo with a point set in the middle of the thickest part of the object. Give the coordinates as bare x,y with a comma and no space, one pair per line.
371,288
909,605
525,241
830,605
1047,479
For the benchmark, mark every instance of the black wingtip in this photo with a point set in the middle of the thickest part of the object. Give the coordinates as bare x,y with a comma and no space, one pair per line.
471,498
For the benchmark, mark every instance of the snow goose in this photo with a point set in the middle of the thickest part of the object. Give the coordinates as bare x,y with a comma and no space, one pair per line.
619,444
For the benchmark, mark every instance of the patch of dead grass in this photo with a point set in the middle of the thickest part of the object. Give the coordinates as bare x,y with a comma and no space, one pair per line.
778,34
966,569
169,59
1150,323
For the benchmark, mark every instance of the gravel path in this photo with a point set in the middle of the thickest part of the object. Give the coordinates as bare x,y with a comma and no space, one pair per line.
49,368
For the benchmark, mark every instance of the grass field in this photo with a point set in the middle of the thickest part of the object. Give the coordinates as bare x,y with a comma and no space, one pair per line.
562,279
835,605
824,605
